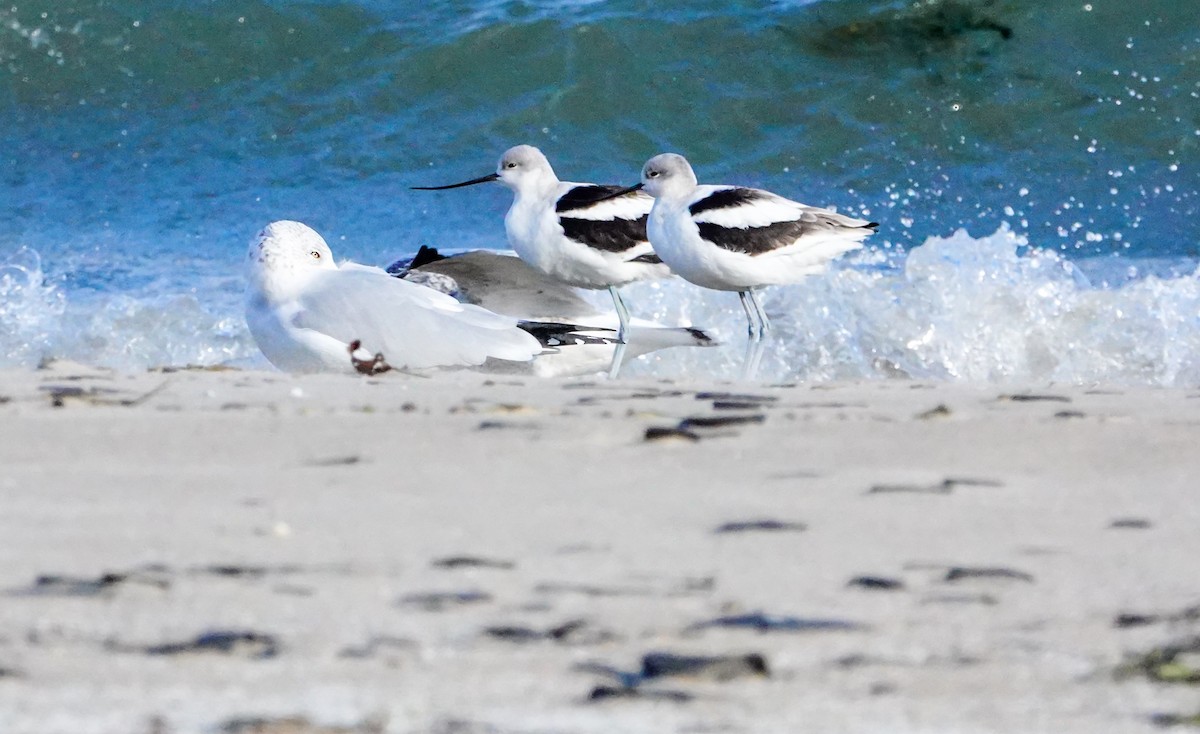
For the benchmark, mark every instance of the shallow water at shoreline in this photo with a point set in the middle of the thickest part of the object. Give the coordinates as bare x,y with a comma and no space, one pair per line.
146,142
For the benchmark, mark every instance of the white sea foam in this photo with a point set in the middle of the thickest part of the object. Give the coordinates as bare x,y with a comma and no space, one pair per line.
959,308
41,319
30,309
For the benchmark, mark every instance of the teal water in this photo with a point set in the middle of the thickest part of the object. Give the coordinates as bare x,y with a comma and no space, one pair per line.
145,142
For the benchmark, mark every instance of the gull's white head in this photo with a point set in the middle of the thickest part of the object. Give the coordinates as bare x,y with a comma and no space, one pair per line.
668,175
524,167
285,252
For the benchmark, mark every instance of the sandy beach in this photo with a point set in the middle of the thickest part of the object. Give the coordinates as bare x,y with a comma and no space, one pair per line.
230,551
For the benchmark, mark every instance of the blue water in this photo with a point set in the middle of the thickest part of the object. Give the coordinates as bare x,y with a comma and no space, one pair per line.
146,141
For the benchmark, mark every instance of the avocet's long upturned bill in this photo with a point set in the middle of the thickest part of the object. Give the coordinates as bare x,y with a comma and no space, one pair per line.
732,238
304,310
586,235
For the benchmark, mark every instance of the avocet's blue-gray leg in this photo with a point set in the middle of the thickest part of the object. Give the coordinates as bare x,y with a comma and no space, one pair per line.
754,353
618,358
622,314
764,324
750,306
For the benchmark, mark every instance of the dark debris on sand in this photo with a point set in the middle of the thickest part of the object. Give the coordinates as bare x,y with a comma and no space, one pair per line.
65,585
1176,663
466,561
964,573
439,601
768,525
572,632
377,644
238,643
1131,523
694,428
876,583
609,693
946,486
1175,720
1143,619
638,684
297,725
760,622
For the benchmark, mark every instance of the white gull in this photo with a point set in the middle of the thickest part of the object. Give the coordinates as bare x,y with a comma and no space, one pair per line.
304,311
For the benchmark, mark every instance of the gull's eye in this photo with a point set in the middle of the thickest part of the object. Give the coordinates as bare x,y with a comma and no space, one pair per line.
316,254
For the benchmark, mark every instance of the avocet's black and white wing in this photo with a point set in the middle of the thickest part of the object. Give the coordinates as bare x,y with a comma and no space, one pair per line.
591,215
760,223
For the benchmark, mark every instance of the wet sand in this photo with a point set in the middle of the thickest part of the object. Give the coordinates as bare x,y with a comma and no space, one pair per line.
234,551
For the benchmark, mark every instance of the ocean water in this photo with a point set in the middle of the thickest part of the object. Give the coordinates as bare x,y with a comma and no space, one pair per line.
1034,165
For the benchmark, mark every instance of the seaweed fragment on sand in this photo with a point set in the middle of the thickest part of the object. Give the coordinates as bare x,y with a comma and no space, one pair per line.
377,644
468,561
694,428
1131,523
656,434
766,524
987,573
571,632
762,622
938,411
611,693
234,643
639,683
720,421
946,486
719,668
65,585
1034,398
1176,662
440,601
1176,720
297,724
876,583
1187,615
60,394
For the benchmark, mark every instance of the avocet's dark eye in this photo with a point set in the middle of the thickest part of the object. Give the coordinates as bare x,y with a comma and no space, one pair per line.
510,164
316,254
651,173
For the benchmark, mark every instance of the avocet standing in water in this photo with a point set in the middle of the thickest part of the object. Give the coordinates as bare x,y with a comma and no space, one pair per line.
732,238
306,313
585,235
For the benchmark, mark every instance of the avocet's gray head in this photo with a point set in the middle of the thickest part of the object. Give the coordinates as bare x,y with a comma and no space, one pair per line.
284,251
668,175
521,168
